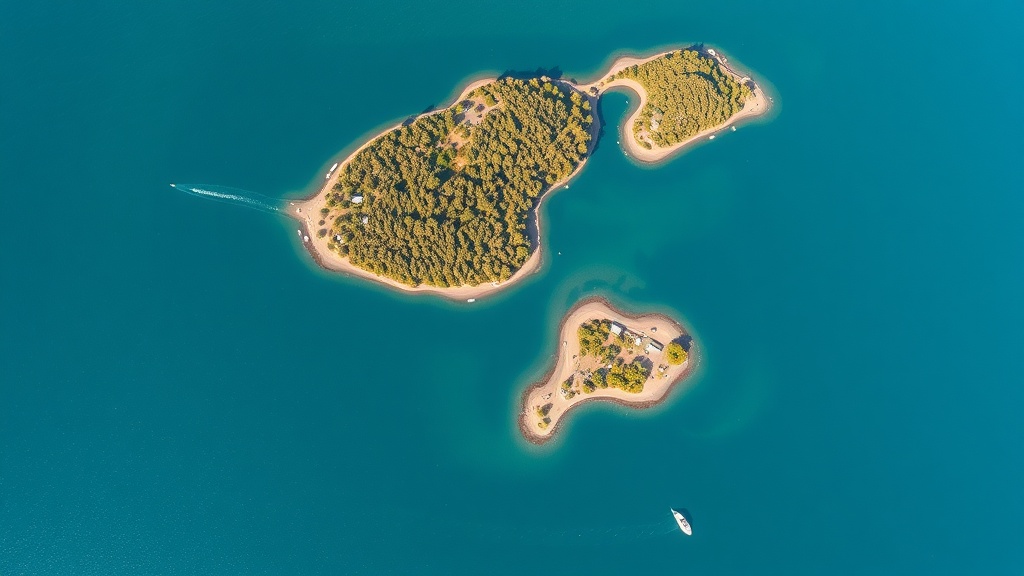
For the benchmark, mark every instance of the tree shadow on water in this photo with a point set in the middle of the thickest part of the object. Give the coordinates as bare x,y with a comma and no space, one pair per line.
554,73
686,341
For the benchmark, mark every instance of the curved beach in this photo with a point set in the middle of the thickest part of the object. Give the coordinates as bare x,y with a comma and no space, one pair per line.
545,393
307,211
757,105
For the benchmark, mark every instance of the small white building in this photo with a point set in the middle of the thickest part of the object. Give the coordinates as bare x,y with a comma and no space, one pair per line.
365,219
653,346
616,329
357,199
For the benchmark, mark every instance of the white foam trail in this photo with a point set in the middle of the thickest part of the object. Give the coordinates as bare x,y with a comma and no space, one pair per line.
593,535
222,194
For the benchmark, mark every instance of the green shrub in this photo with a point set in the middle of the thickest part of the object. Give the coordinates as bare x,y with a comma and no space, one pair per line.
675,353
592,335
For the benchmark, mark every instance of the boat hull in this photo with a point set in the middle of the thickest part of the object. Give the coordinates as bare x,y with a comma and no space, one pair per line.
683,524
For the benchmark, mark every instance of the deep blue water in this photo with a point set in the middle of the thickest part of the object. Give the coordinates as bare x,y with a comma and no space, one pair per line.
183,392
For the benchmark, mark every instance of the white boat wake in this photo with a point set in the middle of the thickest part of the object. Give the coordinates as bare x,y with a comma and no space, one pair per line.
232,196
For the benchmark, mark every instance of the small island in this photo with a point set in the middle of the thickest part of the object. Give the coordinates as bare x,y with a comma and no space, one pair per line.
604,354
685,96
447,202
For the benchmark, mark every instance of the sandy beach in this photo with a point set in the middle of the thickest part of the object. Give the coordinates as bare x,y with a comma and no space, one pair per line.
307,212
546,391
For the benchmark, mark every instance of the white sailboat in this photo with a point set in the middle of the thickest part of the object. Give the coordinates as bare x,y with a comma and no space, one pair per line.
683,524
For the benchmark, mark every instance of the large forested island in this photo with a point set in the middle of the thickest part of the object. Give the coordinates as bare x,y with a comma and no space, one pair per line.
604,354
446,202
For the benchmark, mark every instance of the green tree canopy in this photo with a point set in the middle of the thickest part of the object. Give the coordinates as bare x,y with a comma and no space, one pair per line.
592,335
446,199
675,353
687,92
629,377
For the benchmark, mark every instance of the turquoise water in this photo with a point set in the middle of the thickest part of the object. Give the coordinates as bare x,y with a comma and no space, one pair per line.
183,392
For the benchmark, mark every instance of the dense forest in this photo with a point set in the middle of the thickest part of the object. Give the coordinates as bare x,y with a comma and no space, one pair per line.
687,92
444,200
